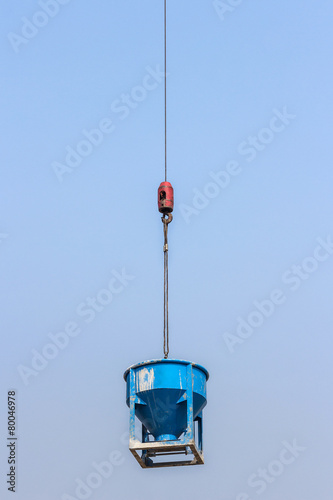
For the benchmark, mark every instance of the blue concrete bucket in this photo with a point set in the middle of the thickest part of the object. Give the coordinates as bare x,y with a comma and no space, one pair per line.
167,396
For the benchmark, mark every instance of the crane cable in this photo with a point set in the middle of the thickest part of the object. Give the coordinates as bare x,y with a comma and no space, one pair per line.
165,91
166,218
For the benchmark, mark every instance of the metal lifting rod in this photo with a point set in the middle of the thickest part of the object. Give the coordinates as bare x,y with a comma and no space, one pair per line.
166,219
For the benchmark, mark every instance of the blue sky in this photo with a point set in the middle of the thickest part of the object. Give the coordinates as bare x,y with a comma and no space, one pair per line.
251,251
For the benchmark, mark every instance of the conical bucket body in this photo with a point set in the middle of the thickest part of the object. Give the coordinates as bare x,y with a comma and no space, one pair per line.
161,389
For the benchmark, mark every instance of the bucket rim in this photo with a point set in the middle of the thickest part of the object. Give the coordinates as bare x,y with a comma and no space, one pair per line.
162,360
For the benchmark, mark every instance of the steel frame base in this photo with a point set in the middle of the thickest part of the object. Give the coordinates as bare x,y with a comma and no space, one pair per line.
152,449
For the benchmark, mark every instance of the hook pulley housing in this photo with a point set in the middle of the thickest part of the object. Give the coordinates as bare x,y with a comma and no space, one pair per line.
165,198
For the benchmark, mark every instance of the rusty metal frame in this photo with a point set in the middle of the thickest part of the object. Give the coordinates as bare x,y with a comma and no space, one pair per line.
186,445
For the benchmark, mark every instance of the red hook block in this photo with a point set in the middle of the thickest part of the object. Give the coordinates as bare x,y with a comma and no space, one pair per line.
165,198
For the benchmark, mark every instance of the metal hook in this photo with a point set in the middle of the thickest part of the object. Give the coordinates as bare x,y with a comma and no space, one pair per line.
166,218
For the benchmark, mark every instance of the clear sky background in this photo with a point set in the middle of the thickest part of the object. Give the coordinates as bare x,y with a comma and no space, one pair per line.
249,103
